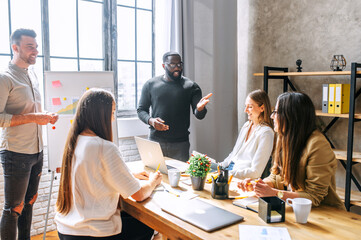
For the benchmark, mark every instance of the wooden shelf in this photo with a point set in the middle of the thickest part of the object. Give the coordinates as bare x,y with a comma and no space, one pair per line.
355,196
342,155
345,115
326,73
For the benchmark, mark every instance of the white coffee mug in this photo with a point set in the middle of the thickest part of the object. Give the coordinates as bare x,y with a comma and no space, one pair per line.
301,207
173,177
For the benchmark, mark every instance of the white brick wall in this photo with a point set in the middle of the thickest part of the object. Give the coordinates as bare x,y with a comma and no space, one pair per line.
129,152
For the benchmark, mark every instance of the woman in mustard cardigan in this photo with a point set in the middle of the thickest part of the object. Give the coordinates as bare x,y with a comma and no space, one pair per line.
304,163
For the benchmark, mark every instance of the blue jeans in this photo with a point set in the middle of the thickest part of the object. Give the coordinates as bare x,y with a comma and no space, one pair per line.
21,180
175,150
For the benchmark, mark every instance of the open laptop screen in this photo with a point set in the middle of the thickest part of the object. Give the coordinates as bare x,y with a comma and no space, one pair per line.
152,156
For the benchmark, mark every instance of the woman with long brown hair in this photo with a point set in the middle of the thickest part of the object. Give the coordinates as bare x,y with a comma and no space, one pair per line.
94,176
304,163
254,145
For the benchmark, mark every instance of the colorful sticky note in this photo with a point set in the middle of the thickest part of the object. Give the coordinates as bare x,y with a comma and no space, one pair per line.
87,88
56,101
64,98
56,83
71,121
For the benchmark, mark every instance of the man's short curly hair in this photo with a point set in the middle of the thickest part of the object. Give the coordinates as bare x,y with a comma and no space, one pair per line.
167,54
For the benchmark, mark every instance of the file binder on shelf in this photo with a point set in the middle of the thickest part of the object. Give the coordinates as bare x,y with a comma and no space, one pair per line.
331,98
342,98
325,98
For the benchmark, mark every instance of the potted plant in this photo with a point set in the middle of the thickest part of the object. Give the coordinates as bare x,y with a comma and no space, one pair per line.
199,166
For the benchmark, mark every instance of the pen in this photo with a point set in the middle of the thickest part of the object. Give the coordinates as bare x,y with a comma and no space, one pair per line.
230,179
251,209
251,183
241,197
158,167
177,195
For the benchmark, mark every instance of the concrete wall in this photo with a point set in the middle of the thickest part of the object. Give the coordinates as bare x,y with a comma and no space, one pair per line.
277,33
215,60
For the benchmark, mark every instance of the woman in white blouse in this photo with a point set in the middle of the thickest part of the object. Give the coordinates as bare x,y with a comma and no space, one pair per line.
94,176
254,145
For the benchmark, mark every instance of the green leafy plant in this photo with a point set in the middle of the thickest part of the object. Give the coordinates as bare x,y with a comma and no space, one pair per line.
199,165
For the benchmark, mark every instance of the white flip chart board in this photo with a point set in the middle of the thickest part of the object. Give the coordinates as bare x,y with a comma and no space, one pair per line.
62,91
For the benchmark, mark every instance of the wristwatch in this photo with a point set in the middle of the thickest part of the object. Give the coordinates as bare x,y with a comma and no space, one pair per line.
280,194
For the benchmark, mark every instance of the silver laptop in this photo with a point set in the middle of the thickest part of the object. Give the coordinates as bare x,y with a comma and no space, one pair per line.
201,214
152,155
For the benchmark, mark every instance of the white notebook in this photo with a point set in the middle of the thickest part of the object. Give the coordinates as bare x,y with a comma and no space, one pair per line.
250,203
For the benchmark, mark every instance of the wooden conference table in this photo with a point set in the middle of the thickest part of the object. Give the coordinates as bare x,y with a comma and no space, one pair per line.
323,222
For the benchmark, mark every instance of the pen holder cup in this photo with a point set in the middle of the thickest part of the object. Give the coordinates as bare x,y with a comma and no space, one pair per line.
219,190
271,209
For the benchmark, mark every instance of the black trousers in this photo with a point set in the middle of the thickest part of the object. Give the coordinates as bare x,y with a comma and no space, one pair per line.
21,180
132,229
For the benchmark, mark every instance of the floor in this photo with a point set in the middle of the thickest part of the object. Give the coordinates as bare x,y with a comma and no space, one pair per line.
49,235
54,236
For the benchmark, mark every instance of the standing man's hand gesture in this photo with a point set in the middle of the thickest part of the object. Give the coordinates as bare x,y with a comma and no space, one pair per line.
203,102
158,124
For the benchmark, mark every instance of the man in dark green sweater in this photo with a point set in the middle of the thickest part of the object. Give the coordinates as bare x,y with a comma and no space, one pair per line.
170,97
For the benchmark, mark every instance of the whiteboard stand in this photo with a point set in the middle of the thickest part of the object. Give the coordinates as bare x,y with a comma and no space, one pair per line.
47,210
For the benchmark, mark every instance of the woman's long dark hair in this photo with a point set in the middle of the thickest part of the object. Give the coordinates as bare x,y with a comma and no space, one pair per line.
296,122
94,112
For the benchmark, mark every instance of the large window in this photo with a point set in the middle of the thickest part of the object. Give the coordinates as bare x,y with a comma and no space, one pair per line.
76,39
135,49
20,14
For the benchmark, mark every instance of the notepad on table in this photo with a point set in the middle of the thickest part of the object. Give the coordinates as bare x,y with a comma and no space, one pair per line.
275,216
250,203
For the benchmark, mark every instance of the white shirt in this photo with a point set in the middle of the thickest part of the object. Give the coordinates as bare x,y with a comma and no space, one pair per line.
250,157
99,176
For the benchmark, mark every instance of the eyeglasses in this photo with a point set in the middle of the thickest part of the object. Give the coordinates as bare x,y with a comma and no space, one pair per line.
274,112
173,65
